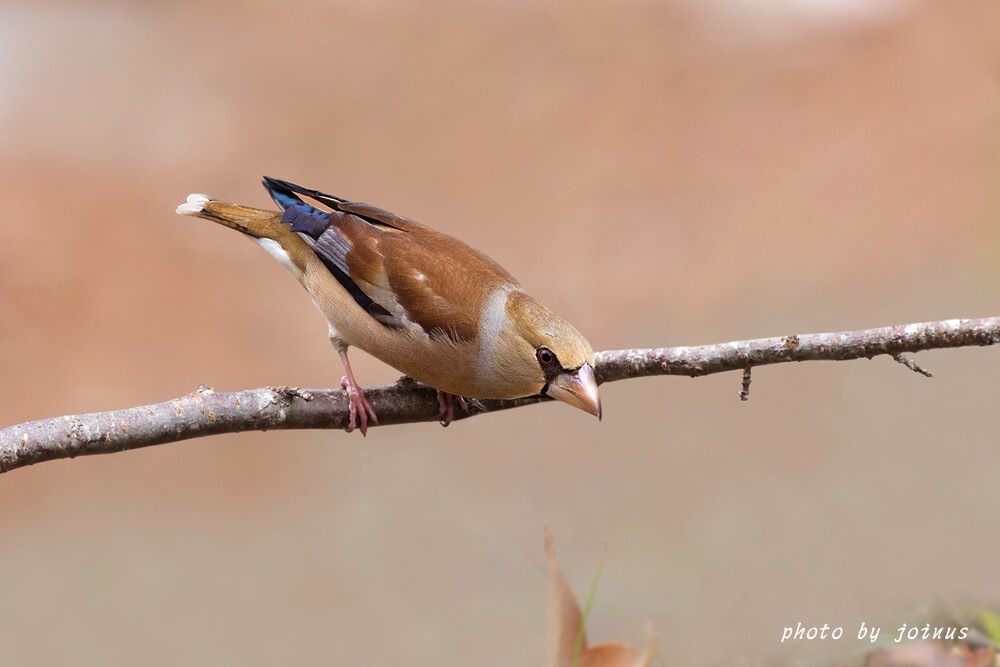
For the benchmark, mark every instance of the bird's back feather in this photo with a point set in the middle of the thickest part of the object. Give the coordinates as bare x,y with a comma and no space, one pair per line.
403,274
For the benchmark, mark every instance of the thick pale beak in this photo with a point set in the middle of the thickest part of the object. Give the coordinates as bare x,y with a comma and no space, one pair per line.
578,388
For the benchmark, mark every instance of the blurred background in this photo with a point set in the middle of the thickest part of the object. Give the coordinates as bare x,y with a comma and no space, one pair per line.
660,173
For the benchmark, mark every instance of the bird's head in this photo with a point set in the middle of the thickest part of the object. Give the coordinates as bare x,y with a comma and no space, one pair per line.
557,360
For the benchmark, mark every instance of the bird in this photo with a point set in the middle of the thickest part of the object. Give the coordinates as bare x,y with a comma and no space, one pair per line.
419,300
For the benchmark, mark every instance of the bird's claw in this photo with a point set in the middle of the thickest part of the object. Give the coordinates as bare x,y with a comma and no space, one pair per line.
446,406
360,407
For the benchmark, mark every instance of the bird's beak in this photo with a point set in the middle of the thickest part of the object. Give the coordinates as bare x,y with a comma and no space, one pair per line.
578,388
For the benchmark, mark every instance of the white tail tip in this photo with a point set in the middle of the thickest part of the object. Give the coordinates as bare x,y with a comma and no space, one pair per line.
194,205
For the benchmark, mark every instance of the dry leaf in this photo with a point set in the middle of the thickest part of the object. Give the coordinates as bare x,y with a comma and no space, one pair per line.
613,654
565,625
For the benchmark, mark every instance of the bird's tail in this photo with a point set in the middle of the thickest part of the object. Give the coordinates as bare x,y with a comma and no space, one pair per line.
255,222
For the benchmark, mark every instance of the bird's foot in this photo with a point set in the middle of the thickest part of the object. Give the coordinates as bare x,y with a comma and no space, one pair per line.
446,406
361,409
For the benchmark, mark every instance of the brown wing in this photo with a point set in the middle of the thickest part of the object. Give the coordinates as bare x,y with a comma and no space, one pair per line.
426,279
405,275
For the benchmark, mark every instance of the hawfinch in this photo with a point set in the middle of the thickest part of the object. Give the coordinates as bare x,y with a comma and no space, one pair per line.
421,301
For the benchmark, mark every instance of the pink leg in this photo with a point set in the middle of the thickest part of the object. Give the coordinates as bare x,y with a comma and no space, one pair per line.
446,406
360,407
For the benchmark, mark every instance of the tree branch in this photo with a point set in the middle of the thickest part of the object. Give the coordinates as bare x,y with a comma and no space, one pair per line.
207,412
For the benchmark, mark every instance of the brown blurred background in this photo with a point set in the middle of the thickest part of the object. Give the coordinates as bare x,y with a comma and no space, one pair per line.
660,173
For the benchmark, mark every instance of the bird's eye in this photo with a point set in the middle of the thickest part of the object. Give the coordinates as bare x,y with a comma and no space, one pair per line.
546,357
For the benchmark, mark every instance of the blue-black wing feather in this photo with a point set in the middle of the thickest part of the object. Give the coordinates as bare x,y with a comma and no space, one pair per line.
313,225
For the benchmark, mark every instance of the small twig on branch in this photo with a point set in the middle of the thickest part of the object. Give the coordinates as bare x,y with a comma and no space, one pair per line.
207,412
912,365
745,389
